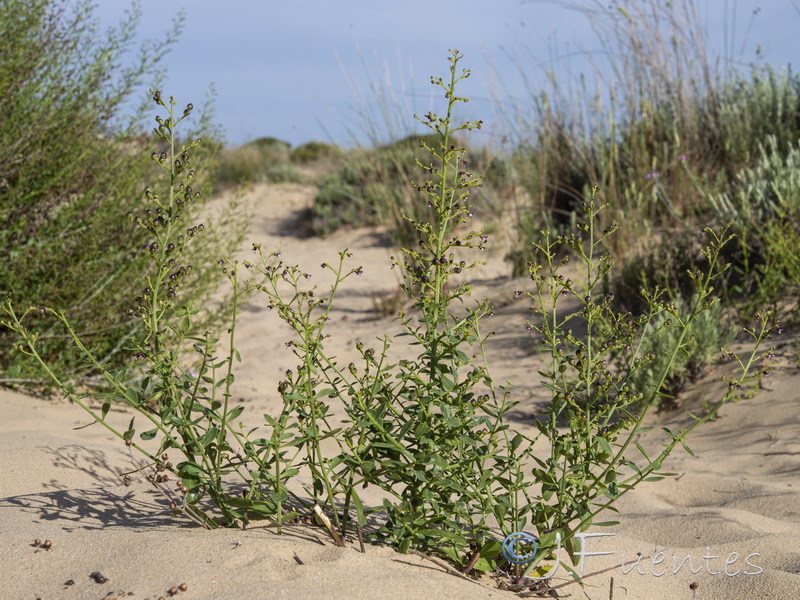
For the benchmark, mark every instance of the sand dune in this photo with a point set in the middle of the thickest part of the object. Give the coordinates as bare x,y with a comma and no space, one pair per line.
734,511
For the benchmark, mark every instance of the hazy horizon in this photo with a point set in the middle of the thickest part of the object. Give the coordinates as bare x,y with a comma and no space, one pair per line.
302,71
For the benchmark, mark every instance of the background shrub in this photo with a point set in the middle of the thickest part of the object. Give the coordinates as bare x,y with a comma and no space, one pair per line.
707,333
71,163
375,186
265,160
665,133
315,152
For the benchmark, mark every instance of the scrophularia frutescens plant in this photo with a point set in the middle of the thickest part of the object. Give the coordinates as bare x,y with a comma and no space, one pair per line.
430,432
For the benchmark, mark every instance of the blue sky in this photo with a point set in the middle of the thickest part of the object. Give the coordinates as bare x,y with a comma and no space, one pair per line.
302,70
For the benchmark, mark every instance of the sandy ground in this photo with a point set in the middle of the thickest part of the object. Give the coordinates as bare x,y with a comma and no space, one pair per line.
734,511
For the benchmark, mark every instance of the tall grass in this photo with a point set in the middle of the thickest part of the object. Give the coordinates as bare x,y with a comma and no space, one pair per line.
669,124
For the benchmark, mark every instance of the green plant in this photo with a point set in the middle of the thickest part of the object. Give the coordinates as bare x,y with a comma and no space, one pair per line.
260,161
705,336
604,377
68,159
315,152
373,187
431,431
370,187
284,173
186,409
778,278
762,207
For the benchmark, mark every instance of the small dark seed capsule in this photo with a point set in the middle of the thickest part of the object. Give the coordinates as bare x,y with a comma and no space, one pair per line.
98,577
183,587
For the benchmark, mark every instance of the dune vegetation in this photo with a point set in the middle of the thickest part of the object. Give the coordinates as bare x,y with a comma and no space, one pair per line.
667,213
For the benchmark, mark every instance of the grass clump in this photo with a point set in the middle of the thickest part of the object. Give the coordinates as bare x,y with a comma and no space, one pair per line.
269,160
667,135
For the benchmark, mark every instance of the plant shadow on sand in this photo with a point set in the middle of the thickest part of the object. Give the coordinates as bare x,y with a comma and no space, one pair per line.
109,503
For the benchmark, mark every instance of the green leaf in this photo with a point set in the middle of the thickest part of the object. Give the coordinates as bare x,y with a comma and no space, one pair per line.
689,450
235,412
612,491
443,533
104,410
190,470
360,515
149,435
178,421
491,548
227,380
484,565
208,437
132,397
605,445
128,435
633,466
639,446
606,524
